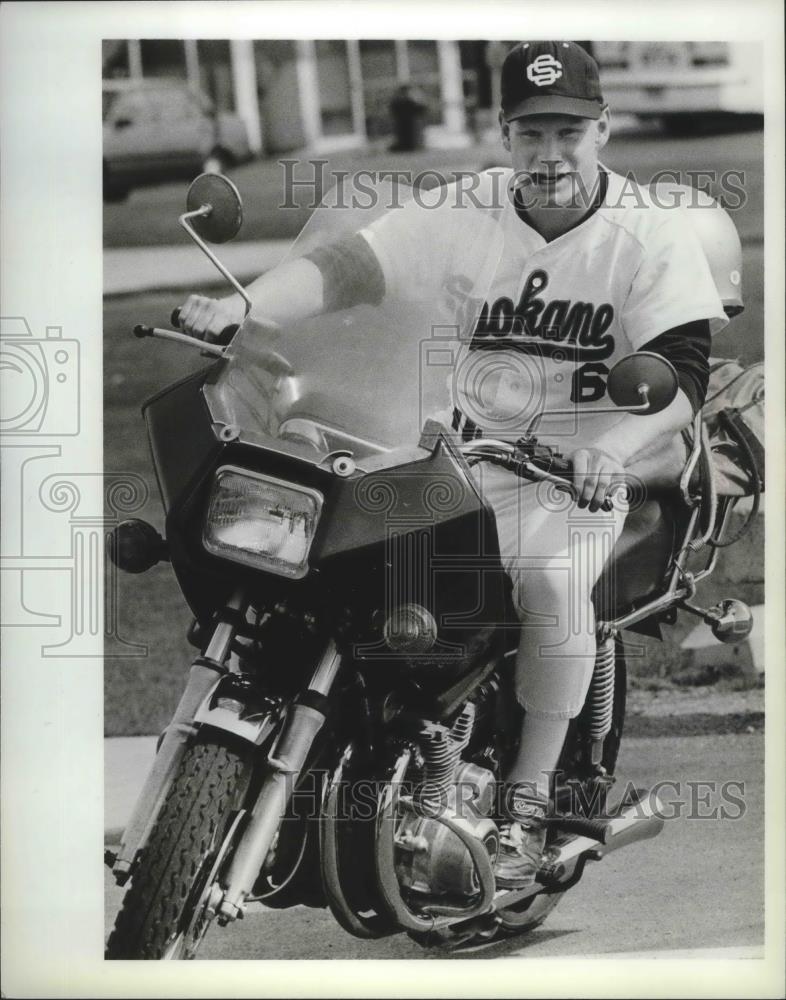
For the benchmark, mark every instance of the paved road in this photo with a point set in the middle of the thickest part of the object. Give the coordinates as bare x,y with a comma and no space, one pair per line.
698,886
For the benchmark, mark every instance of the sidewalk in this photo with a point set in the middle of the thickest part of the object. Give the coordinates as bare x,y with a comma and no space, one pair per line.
127,760
129,270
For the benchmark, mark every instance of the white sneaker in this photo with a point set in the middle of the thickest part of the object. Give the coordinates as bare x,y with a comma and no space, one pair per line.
522,838
520,853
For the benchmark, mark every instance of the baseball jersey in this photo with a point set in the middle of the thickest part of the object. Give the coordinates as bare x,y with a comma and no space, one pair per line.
555,315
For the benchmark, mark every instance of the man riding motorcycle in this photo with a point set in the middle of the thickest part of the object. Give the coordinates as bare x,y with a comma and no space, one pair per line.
593,268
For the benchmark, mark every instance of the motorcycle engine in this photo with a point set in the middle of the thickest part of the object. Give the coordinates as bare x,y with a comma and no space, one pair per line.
430,858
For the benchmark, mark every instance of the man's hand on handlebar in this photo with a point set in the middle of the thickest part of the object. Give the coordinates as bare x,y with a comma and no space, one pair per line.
206,319
594,472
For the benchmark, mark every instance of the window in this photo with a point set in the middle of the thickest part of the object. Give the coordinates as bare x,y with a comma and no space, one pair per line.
378,60
379,67
163,57
114,59
386,65
215,72
335,93
423,60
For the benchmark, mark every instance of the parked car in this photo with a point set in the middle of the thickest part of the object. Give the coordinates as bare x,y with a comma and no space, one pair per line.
157,130
685,85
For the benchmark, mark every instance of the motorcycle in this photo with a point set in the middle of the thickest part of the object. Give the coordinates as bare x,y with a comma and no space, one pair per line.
346,721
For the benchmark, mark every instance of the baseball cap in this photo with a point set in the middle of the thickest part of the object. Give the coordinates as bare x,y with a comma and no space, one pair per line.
557,78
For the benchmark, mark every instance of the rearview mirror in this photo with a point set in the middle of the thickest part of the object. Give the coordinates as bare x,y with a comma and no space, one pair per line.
222,223
640,373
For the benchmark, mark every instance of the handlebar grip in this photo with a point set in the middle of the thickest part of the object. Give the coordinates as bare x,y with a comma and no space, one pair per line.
227,334
222,339
561,467
143,331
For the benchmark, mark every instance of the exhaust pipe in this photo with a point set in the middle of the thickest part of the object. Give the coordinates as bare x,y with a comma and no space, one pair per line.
640,820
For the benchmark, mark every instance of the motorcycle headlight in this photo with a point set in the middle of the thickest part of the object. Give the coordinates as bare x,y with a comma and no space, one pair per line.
261,522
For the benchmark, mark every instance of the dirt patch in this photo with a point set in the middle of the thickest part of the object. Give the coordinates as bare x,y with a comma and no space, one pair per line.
734,696
699,724
664,709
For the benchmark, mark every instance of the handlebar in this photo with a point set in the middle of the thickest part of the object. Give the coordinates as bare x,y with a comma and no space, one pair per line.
547,466
264,356
213,350
222,339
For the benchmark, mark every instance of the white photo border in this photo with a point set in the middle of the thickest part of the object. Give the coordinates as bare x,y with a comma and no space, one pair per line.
52,738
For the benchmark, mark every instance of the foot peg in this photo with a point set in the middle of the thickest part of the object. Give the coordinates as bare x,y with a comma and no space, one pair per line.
595,829
640,818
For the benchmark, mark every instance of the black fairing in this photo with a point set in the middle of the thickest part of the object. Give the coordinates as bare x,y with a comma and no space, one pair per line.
415,533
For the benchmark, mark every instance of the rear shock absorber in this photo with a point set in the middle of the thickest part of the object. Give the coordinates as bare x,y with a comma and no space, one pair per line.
601,697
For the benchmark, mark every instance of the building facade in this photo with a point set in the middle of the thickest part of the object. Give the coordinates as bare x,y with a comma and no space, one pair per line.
324,94
316,94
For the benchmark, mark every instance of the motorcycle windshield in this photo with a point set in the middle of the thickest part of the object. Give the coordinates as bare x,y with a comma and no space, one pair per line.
403,277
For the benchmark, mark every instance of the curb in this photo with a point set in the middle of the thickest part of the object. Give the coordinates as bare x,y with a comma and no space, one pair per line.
127,759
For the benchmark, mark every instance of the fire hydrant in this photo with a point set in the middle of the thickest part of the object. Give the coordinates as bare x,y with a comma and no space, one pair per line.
408,111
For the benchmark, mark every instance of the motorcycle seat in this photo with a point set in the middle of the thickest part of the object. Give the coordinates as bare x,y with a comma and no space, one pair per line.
640,558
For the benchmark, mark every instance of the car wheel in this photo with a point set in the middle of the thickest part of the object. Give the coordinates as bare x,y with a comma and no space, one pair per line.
114,190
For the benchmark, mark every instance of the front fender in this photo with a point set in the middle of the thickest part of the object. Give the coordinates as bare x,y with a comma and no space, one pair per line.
231,706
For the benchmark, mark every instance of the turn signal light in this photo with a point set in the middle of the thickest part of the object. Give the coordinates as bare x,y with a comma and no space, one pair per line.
410,629
135,546
730,621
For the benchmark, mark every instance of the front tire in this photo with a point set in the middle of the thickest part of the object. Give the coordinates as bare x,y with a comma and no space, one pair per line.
170,880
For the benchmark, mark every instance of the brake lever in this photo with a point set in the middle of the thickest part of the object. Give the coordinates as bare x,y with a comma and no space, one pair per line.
533,472
211,350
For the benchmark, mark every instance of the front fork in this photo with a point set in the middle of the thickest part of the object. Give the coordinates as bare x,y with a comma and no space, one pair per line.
286,761
201,680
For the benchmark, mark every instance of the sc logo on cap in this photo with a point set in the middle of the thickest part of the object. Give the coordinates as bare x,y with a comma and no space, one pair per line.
544,70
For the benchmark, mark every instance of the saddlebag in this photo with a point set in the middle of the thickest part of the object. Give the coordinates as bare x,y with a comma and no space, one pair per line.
733,419
733,415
